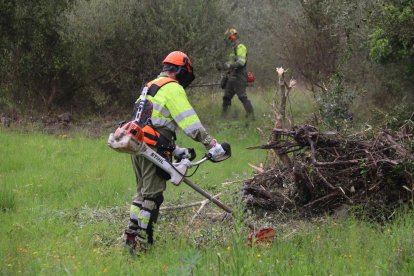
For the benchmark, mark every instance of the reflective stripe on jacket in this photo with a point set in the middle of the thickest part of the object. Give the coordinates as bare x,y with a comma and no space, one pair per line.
171,109
238,56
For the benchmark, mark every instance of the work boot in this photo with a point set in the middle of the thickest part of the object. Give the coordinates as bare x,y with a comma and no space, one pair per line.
131,240
134,241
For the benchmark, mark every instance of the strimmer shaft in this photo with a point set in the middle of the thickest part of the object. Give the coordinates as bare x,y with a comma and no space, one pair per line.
207,195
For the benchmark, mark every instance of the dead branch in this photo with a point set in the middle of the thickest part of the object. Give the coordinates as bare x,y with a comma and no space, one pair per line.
257,169
183,206
280,115
203,204
374,169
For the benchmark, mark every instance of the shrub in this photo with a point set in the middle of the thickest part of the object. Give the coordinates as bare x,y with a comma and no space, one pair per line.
335,102
33,58
119,45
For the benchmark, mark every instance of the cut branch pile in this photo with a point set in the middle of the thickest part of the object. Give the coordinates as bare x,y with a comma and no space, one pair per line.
329,170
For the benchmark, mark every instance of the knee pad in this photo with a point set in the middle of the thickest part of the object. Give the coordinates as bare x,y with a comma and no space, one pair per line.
143,219
148,213
134,210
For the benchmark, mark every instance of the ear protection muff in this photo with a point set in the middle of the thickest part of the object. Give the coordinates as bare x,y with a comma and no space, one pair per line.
186,66
184,73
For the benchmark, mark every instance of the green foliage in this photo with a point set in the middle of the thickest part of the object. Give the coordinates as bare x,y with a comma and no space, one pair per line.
96,54
335,102
33,61
119,45
319,38
395,118
380,46
392,40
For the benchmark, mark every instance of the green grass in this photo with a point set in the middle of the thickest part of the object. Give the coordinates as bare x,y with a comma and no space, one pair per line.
65,201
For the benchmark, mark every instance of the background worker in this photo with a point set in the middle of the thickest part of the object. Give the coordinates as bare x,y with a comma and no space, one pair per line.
235,80
171,110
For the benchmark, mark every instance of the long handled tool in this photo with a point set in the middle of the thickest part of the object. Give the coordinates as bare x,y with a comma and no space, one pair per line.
122,142
259,237
207,195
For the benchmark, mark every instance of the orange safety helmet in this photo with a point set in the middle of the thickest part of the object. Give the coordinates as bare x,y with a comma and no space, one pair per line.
184,71
180,59
230,34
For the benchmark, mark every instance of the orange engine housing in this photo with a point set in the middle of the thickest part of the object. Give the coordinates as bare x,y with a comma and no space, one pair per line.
145,134
131,129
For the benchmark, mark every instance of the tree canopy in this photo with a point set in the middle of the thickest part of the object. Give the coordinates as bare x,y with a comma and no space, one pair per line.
90,55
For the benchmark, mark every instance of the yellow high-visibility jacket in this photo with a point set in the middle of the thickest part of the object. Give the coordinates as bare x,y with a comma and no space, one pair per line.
238,57
172,110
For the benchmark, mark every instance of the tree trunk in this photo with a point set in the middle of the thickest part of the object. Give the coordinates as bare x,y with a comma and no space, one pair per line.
280,115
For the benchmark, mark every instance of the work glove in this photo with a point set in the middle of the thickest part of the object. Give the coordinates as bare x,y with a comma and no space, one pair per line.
227,66
216,152
181,153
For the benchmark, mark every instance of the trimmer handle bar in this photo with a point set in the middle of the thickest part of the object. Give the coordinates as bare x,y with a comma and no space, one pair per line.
208,156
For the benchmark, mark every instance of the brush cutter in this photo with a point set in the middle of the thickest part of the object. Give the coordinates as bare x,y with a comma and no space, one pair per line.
122,141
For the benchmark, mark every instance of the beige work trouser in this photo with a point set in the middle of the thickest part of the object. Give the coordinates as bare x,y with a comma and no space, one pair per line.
149,183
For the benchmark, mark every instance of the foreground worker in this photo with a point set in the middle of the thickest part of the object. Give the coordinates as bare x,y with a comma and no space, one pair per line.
235,80
171,110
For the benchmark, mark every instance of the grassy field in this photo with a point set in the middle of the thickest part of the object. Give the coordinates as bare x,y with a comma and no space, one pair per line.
64,202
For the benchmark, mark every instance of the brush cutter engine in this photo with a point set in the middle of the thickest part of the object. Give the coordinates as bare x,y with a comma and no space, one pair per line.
130,138
127,138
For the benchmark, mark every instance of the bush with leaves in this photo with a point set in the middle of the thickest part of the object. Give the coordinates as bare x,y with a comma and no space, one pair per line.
119,45
335,102
393,37
391,49
33,57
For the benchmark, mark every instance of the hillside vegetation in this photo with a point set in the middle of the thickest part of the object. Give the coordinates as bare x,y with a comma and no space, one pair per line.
93,56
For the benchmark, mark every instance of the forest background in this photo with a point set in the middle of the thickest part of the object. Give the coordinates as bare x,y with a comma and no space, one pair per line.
92,57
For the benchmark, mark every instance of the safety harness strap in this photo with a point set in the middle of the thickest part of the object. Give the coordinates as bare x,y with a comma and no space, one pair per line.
155,85
150,135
